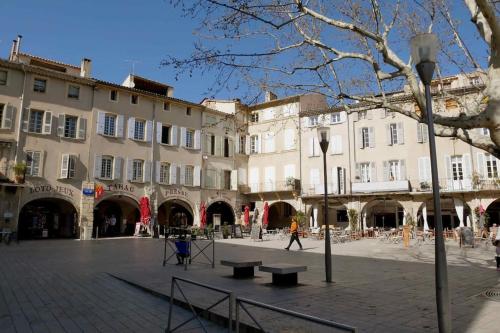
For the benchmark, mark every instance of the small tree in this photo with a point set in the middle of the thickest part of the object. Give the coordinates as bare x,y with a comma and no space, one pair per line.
353,219
410,221
301,218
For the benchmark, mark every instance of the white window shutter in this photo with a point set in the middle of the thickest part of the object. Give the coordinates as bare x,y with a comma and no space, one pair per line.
82,128
259,143
371,136
130,168
237,145
117,168
402,171
419,133
333,181
97,166
343,116
289,171
311,146
182,175
147,171
130,127
173,174
149,131
242,176
174,141
369,114
358,172
7,117
26,119
196,175
218,146
100,122
60,124
388,134
373,172
120,124
421,170
247,144
234,180
447,163
386,171
157,171
40,166
481,165
231,147
183,136
197,139
64,166
206,143
401,133
158,131
47,122
425,133
467,166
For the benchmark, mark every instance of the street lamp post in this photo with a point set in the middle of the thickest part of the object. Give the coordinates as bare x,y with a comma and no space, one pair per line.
424,49
323,136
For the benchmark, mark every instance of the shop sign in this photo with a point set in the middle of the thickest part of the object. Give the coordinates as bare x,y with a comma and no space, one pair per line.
88,192
51,189
177,192
121,187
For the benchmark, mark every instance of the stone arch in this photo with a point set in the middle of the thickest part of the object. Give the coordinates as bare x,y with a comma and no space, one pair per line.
177,212
220,212
280,214
115,215
383,213
48,217
449,215
337,213
493,211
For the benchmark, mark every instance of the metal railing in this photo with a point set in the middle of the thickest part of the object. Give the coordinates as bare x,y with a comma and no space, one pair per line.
192,247
272,186
228,296
241,301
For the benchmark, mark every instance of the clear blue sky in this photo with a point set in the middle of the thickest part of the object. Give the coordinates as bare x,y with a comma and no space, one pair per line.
110,32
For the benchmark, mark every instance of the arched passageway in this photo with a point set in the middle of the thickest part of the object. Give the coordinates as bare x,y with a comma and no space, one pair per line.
382,213
48,218
220,212
493,212
115,216
175,213
280,215
337,215
449,214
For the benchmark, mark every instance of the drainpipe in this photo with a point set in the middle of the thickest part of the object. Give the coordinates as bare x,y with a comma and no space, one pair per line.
90,132
153,221
20,117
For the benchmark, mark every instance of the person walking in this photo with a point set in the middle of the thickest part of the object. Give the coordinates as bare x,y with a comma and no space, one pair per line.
294,231
497,245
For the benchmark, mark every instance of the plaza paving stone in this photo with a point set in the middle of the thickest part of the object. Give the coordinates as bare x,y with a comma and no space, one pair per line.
52,286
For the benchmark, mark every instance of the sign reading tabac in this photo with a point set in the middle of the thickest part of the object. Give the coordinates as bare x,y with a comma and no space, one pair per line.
120,187
51,189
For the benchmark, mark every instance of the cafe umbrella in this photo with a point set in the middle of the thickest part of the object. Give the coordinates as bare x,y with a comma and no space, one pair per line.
265,215
246,217
203,215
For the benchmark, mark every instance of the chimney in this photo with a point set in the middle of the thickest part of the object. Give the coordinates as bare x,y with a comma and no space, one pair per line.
13,50
270,96
85,67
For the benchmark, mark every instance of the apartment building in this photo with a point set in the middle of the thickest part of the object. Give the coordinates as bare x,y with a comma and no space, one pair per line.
94,149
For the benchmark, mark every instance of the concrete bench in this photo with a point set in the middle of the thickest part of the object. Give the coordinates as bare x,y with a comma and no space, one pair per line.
283,274
242,268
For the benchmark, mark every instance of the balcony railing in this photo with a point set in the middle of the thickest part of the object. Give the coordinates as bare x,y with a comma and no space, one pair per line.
453,185
319,189
6,173
276,186
383,186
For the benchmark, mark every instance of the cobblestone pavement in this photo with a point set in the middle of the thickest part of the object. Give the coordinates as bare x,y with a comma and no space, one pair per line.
63,285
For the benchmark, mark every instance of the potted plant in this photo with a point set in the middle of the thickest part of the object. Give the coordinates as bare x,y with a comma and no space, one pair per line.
353,219
424,186
225,231
19,172
195,231
290,182
476,180
410,221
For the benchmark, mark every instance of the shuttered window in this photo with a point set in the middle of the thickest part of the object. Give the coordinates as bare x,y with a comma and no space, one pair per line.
106,167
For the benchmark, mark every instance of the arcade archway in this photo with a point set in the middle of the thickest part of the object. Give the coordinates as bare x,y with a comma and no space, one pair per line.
175,213
280,215
382,213
115,216
48,218
449,214
220,212
493,212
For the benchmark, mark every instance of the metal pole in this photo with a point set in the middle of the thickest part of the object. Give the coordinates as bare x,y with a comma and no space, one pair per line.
328,250
441,270
172,288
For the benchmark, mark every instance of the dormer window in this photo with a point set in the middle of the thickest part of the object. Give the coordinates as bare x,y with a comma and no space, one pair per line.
113,95
134,99
188,111
40,85
166,106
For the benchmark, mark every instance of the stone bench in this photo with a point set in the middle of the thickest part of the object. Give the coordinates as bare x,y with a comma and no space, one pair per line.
283,274
241,268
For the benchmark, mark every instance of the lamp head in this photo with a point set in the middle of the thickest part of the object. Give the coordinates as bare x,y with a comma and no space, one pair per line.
323,134
424,48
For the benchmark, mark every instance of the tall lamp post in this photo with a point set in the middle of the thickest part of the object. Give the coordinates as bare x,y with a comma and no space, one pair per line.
323,136
424,48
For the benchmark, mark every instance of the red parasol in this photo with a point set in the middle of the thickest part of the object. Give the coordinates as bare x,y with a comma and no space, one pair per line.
145,210
481,210
265,216
203,215
247,215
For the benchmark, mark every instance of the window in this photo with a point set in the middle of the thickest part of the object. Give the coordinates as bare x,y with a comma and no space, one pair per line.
491,166
484,131
68,163
210,178
313,120
227,179
394,170
254,144
365,172
393,134
457,168
254,117
2,108
189,138
70,125
188,111
314,147
3,78
139,129
33,159
109,124
73,91
243,142
362,114
165,134
166,106
335,118
134,99
212,144
35,121
289,138
137,170
113,95
474,81
422,133
106,167
188,176
365,137
165,173
226,147
268,141
40,85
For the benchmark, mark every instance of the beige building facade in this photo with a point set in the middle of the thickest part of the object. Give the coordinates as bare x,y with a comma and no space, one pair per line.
94,150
